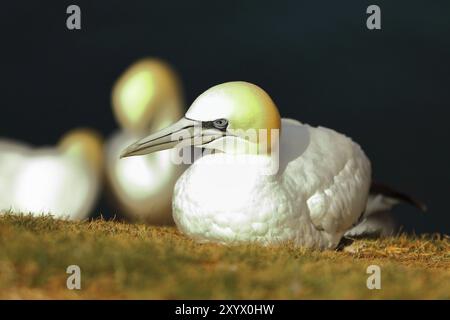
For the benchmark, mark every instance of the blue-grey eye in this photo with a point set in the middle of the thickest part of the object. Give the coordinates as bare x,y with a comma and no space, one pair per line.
220,123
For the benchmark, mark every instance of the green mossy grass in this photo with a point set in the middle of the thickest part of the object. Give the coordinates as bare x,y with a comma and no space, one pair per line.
122,260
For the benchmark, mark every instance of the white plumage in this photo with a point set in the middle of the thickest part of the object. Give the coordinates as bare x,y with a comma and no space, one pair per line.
61,181
142,186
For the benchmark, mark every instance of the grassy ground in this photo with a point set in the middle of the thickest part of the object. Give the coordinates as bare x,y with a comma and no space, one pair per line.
119,260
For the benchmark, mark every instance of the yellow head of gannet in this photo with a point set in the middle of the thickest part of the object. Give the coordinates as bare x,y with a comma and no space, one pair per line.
233,117
146,95
228,196
146,98
86,145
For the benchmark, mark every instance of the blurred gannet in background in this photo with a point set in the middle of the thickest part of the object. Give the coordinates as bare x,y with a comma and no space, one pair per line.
146,98
63,181
318,192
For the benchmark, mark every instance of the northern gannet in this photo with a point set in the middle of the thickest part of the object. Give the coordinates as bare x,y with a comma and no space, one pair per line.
62,181
147,97
311,195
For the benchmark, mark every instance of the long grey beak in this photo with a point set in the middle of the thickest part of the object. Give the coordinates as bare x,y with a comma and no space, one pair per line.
182,133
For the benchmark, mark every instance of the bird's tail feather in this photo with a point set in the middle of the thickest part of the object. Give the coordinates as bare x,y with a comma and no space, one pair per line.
396,196
377,219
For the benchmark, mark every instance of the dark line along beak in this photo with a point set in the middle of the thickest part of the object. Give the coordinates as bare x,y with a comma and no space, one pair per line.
185,132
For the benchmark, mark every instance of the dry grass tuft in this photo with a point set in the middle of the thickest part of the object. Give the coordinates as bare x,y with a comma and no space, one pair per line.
120,260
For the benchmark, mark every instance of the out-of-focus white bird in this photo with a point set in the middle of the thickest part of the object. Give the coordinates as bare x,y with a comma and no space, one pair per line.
63,181
311,192
147,97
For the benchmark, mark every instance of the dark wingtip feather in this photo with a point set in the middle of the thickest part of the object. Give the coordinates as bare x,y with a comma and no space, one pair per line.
377,188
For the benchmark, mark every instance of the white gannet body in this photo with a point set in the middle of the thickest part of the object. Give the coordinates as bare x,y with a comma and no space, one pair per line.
147,97
313,202
233,195
62,181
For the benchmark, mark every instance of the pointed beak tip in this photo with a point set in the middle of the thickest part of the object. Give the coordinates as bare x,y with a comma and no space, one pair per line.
125,153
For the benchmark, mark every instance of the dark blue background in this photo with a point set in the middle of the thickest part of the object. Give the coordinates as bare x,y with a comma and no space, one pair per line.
388,89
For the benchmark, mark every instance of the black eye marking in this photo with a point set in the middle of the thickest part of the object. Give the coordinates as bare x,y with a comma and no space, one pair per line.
220,124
